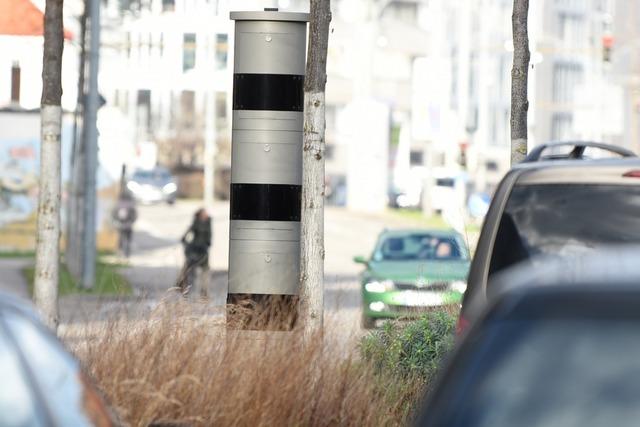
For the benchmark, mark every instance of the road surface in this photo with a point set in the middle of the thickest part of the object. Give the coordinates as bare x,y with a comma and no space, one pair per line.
157,258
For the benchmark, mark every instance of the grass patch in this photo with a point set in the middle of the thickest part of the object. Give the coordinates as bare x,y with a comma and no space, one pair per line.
17,254
436,221
179,369
417,217
108,281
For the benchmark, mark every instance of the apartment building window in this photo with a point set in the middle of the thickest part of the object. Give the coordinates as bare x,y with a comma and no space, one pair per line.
168,5
561,126
221,109
566,76
222,47
571,28
15,82
143,111
189,51
405,12
188,108
416,158
127,45
571,4
173,114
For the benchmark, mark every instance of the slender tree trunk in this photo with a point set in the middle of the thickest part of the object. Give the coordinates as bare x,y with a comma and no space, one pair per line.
312,239
519,76
48,234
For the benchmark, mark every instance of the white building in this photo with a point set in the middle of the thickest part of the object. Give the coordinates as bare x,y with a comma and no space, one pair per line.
167,67
575,95
625,69
21,46
440,67
571,93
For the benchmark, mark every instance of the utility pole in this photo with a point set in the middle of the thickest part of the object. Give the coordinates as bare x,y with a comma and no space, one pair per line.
74,202
519,80
312,226
91,147
48,233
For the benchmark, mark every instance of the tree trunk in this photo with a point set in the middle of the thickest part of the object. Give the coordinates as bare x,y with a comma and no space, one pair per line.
312,238
519,76
48,233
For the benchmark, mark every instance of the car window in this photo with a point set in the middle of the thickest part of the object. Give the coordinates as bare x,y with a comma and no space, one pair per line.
18,405
56,372
549,372
565,219
445,182
156,175
142,175
420,246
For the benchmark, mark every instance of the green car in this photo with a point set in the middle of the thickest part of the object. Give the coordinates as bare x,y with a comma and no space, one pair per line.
412,271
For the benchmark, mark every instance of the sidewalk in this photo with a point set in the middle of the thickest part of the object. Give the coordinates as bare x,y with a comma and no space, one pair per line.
11,278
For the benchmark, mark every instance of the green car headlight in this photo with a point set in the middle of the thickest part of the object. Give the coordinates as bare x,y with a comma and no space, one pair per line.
459,286
379,286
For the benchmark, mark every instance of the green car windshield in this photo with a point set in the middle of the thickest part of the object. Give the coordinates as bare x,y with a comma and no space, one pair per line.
419,247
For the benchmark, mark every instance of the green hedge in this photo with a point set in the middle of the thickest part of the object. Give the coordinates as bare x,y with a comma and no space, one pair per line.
412,349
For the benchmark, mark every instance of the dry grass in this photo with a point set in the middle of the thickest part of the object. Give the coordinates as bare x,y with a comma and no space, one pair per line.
179,369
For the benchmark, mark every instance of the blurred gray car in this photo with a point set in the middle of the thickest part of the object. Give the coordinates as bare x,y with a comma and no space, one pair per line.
558,345
561,201
41,384
153,186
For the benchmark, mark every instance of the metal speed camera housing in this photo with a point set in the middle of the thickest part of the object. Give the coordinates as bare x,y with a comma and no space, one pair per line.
266,159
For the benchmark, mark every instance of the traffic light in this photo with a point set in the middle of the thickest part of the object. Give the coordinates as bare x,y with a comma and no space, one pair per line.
607,47
462,155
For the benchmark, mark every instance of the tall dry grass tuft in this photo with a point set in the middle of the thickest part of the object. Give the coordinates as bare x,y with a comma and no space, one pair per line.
181,369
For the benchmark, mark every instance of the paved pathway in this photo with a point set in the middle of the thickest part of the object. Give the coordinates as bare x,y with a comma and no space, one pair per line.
157,258
12,279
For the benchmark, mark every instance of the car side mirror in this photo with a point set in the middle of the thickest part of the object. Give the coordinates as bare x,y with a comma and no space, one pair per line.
360,260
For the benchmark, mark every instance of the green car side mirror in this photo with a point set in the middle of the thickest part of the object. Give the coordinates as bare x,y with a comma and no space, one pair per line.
360,260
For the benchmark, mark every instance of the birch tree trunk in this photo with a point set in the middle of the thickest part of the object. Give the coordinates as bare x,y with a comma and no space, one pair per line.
312,238
48,233
519,76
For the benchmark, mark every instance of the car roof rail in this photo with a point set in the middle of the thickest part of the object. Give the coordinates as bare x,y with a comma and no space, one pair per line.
576,154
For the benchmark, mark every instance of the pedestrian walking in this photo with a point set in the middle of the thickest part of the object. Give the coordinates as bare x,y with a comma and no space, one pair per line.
124,216
196,242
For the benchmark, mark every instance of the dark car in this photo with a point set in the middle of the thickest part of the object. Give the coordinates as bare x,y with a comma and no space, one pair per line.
41,384
153,186
560,204
560,348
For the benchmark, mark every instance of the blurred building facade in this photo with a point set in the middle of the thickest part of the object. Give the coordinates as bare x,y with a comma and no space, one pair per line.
437,71
576,96
625,66
167,69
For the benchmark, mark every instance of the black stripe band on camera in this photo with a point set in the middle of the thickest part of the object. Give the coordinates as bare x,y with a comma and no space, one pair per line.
266,202
270,92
